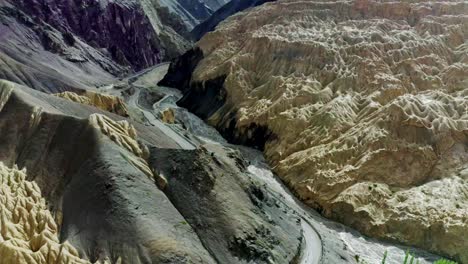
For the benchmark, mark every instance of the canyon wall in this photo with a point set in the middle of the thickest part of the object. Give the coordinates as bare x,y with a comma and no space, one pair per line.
57,46
360,106
221,14
120,27
191,12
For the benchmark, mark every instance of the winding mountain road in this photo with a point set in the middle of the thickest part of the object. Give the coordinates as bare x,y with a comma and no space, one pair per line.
312,246
183,142
324,241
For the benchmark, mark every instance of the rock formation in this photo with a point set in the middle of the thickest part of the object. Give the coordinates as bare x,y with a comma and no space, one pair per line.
121,27
57,46
360,106
221,14
216,191
105,102
29,234
191,12
114,188
168,116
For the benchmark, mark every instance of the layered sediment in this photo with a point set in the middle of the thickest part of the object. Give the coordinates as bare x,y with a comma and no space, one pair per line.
360,106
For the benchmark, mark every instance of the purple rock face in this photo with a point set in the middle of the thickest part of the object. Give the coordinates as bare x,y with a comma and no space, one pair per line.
120,27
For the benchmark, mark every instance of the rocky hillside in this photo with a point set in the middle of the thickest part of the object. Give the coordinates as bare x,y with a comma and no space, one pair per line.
222,13
191,12
60,45
100,188
28,224
360,106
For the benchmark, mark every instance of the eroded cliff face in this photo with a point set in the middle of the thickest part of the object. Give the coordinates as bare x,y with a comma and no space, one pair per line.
191,12
109,103
360,106
57,46
29,233
121,27
221,14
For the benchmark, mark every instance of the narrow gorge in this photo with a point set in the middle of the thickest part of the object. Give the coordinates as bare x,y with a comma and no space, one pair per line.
243,131
359,106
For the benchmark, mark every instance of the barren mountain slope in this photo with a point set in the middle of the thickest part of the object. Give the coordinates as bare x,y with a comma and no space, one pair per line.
54,45
191,12
221,14
360,106
116,191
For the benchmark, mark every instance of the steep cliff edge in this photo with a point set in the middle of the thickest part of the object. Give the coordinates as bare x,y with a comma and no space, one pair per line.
360,106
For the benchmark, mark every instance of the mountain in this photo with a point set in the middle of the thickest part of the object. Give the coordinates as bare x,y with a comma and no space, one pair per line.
99,187
359,106
222,13
191,12
63,45
88,179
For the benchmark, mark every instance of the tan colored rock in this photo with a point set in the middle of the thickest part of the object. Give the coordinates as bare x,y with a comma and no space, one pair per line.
161,181
28,232
105,102
121,132
125,135
368,105
75,97
168,116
